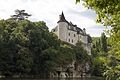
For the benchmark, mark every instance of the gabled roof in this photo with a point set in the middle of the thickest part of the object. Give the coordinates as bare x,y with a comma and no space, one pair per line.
62,18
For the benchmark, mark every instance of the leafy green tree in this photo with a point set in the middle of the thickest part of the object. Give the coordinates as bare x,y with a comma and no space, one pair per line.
8,48
67,51
24,61
99,65
108,13
50,60
14,41
103,42
53,58
81,53
40,39
99,53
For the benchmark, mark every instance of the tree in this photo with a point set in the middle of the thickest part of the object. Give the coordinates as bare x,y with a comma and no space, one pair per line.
13,43
82,58
22,43
99,65
81,53
8,48
24,61
99,53
20,15
50,60
103,42
108,13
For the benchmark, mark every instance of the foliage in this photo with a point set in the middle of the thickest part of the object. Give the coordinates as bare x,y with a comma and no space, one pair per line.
29,48
103,42
108,13
95,39
24,61
51,59
81,53
13,43
21,45
20,15
99,53
99,65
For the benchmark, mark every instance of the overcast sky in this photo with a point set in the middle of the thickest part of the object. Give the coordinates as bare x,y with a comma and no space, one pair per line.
49,11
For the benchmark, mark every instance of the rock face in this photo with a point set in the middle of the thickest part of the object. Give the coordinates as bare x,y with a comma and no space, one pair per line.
72,70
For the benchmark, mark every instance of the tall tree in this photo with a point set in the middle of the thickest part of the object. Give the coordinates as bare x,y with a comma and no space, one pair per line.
20,15
103,42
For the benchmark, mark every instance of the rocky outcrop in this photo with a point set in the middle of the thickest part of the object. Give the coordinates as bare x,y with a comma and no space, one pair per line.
72,70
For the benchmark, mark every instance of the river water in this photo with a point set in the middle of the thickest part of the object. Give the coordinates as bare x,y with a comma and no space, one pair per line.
95,78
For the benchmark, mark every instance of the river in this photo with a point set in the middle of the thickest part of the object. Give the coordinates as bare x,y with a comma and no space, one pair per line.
94,78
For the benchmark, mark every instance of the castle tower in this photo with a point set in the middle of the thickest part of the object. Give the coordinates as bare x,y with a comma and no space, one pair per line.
68,32
62,28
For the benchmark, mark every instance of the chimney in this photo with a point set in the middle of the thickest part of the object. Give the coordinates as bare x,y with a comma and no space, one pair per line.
84,30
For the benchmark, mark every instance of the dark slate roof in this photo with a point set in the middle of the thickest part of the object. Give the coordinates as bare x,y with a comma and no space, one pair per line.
71,24
62,18
75,28
71,27
79,30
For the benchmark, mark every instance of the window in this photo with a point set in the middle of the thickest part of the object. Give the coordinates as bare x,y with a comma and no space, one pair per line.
69,27
69,34
74,28
74,35
69,40
72,40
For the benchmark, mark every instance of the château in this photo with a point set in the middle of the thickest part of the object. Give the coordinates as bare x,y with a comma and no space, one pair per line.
68,32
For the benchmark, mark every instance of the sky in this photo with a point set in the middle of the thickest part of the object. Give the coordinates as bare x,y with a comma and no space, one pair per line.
49,11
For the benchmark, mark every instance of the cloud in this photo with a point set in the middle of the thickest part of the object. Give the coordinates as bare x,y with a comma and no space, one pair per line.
49,11
89,14
99,26
96,30
2,10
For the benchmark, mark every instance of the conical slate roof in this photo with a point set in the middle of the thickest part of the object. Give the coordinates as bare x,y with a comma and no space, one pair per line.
62,18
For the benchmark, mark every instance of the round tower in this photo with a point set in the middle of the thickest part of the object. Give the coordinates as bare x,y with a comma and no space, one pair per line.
62,28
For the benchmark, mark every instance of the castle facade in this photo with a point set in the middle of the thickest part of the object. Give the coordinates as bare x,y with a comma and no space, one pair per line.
68,32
